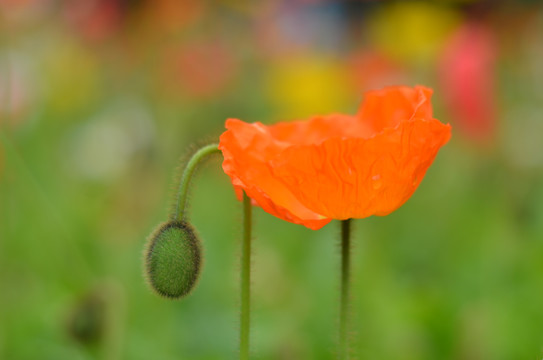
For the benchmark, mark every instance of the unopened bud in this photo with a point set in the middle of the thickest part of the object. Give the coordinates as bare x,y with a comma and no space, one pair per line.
173,259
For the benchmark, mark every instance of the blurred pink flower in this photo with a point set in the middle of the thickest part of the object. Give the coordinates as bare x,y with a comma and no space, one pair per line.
466,74
18,93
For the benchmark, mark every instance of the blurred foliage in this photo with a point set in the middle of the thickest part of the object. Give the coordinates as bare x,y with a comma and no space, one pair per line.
98,99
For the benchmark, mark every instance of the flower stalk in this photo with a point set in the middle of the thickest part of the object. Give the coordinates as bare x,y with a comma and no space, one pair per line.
201,155
345,289
245,310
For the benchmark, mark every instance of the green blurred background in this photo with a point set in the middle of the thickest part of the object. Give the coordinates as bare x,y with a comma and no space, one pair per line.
99,99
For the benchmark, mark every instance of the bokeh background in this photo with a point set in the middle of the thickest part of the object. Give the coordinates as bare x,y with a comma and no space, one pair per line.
99,99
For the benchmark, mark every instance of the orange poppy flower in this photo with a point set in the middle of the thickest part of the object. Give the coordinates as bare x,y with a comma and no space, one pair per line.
337,166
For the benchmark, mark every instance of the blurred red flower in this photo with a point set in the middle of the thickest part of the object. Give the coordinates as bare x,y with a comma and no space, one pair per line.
337,166
199,69
95,20
370,69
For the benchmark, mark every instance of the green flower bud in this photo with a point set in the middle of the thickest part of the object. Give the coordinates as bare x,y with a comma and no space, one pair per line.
173,259
87,320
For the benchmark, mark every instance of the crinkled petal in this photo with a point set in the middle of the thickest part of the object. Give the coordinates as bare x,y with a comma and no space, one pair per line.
319,128
356,178
387,107
247,151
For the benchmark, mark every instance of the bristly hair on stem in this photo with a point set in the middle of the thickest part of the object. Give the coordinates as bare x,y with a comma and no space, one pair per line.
197,158
245,279
345,294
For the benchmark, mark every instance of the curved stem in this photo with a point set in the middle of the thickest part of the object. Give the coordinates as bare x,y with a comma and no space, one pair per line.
345,289
196,159
245,280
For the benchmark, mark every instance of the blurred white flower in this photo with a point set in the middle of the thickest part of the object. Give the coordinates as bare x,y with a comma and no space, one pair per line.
104,147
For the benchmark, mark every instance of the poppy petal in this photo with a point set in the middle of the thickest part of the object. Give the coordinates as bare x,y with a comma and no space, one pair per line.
247,150
357,178
320,128
387,107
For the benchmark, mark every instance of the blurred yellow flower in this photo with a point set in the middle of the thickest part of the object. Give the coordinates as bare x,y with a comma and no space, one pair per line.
307,85
412,31
71,76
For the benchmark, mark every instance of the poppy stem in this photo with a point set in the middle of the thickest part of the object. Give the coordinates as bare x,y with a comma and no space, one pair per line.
245,279
196,159
345,289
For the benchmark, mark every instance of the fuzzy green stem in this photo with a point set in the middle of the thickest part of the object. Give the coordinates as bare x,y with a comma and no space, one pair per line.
245,280
196,159
345,289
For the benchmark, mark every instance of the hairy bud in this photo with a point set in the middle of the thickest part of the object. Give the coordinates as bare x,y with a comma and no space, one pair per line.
173,259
